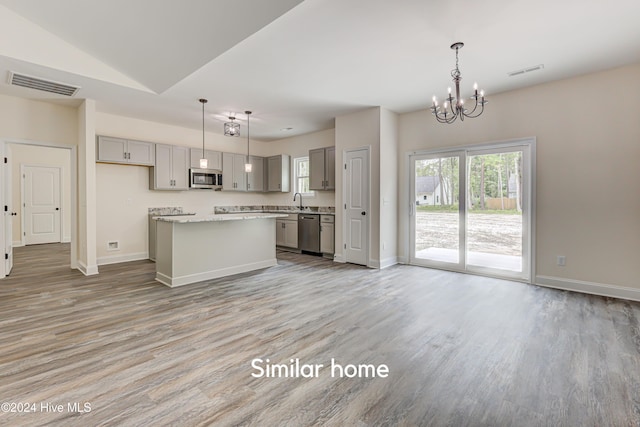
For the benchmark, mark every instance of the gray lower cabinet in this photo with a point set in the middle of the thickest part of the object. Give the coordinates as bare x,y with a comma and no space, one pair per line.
278,172
214,158
171,170
322,168
125,151
327,234
287,231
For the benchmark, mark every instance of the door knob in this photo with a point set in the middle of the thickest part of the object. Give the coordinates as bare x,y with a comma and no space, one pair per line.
363,213
14,213
57,209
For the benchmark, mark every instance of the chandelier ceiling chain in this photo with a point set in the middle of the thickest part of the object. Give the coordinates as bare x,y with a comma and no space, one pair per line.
452,108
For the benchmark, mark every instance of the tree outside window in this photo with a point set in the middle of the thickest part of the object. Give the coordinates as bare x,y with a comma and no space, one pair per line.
301,176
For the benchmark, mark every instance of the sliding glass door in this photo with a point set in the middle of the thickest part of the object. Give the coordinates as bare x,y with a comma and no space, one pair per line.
472,210
439,216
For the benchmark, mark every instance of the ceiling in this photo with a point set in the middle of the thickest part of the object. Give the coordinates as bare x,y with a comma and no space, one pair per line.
299,64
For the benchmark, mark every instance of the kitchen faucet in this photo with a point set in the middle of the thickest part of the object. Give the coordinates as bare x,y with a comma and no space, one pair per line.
294,199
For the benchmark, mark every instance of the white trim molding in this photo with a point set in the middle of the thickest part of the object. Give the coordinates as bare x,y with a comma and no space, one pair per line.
87,270
388,262
173,282
116,259
600,289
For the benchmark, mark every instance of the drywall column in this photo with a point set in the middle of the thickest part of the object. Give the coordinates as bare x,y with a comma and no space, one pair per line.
87,261
359,130
388,188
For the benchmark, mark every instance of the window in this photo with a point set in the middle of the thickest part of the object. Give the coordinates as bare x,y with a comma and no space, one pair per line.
301,176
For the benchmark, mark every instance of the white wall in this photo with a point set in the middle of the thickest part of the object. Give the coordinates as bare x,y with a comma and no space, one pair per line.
24,119
123,195
588,174
388,188
87,198
32,155
33,122
357,130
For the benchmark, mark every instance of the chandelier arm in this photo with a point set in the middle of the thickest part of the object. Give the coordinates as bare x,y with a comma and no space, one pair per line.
472,111
477,115
448,120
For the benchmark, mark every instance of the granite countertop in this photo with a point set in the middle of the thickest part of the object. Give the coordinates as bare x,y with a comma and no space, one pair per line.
220,217
288,209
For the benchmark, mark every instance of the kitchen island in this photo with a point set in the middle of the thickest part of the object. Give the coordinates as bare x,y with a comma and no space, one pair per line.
192,249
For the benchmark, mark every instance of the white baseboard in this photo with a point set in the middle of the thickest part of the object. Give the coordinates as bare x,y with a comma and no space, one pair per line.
402,259
66,240
388,262
338,258
115,259
87,270
589,287
17,244
213,274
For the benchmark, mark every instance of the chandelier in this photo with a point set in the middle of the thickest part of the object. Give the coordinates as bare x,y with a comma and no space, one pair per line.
452,108
232,128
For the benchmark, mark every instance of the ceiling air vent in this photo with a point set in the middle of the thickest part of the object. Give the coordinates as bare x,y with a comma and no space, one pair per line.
37,83
526,70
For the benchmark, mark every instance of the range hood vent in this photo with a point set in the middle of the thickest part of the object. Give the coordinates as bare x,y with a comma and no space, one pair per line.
37,83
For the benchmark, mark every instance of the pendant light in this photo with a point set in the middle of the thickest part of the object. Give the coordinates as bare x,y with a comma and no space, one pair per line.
204,163
231,128
247,165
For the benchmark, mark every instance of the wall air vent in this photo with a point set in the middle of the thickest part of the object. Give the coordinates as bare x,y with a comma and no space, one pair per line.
526,70
17,79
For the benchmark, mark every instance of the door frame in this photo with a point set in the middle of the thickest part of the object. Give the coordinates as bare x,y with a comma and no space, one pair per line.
23,166
462,224
4,148
345,228
530,175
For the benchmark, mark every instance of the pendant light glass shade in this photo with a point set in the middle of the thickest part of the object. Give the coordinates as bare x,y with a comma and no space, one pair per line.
204,163
247,165
232,128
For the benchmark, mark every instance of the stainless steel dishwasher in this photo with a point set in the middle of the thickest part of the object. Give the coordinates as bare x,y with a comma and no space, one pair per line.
309,232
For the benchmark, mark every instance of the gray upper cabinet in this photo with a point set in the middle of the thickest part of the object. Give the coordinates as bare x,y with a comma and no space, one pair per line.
278,171
214,158
234,178
322,168
125,151
171,171
255,178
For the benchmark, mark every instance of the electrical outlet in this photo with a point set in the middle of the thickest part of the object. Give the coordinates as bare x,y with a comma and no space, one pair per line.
562,261
113,246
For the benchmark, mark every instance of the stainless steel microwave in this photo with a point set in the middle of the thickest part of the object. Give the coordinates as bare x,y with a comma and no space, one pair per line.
205,178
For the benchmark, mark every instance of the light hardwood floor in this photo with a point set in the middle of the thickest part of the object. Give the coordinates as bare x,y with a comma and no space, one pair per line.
461,350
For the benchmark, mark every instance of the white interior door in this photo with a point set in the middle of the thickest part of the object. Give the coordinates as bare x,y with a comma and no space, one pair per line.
8,218
42,204
356,201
